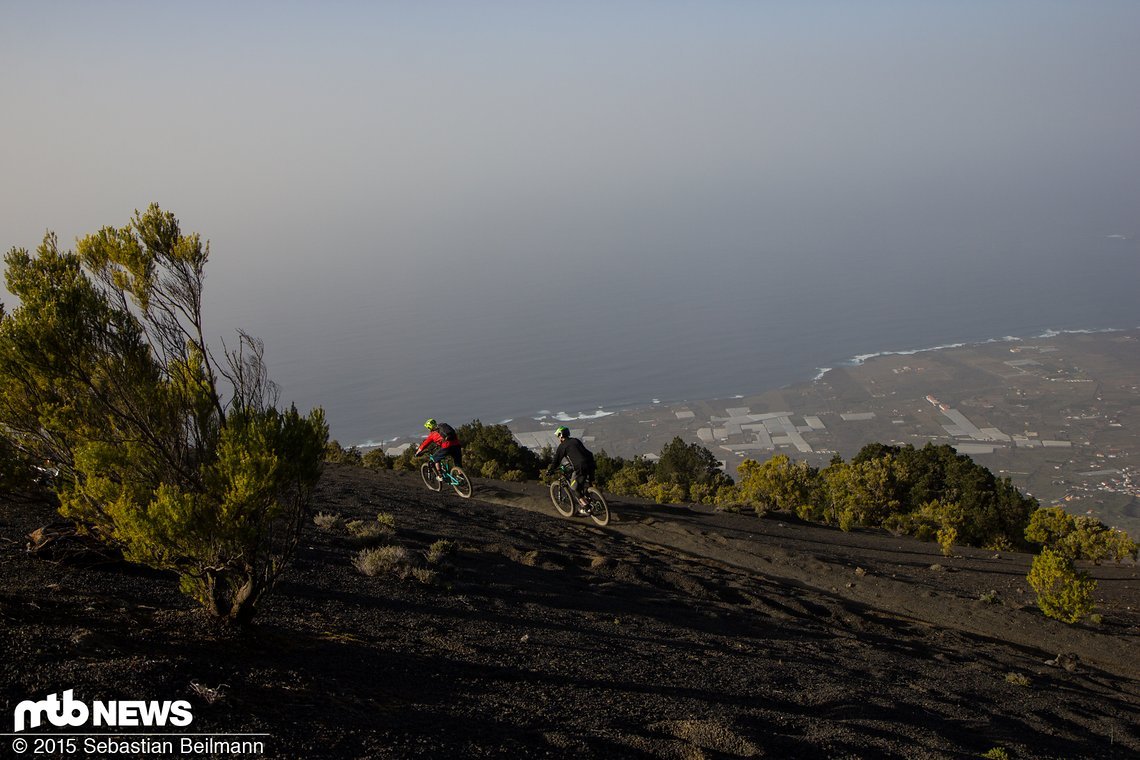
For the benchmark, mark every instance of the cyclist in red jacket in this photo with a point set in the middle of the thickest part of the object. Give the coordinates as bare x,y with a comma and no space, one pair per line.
443,436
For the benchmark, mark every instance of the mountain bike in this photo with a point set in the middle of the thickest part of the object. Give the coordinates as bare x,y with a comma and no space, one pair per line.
566,501
435,475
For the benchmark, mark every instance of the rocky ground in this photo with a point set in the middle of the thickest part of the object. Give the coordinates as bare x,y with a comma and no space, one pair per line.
672,632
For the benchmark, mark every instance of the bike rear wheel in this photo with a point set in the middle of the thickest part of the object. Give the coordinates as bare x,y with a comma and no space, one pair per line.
562,498
430,480
460,482
598,509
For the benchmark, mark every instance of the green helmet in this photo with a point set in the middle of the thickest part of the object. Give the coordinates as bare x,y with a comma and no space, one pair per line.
562,431
430,424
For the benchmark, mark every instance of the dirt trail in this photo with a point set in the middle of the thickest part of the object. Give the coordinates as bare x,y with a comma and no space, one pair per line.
887,576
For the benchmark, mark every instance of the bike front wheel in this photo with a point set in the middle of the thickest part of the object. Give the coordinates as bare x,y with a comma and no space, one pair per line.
598,509
460,482
427,472
562,498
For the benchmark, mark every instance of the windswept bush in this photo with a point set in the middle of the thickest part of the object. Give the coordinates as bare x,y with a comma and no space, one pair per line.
779,484
684,465
684,473
1062,591
16,472
492,451
406,460
106,372
629,478
932,493
1078,536
338,454
376,459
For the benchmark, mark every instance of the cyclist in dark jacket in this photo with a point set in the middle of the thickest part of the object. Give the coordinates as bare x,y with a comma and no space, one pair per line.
581,459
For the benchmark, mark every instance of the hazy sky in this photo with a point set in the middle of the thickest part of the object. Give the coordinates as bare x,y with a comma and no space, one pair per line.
349,159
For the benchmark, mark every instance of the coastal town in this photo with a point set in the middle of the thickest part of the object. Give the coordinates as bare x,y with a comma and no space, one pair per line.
1059,416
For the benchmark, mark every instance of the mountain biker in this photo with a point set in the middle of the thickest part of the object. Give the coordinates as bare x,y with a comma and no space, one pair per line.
444,436
581,459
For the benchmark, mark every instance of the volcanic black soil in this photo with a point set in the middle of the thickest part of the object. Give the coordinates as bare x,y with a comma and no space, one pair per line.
673,632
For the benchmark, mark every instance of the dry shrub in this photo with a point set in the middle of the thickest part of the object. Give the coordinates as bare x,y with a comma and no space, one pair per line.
425,575
1017,679
368,533
327,521
382,561
440,550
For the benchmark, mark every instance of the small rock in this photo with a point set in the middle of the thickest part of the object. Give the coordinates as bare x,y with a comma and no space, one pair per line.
1066,660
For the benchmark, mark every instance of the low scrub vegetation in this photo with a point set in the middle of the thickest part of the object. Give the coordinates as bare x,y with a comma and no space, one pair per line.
369,532
385,560
1063,592
428,567
684,473
181,461
491,451
933,493
327,521
1078,537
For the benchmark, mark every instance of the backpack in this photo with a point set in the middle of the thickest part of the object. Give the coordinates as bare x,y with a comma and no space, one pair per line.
446,432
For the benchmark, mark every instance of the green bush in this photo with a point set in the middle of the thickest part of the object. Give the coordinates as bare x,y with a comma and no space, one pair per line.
663,493
1078,537
906,490
406,459
727,498
683,465
606,466
684,473
1062,592
337,454
946,536
106,372
628,480
779,484
376,459
16,472
493,448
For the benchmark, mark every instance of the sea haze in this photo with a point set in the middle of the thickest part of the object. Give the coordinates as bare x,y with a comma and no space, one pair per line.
486,210
529,342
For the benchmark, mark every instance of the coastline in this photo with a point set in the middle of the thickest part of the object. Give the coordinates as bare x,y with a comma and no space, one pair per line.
821,372
551,417
1056,412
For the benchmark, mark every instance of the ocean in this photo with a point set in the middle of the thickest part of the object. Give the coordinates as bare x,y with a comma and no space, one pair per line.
512,347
